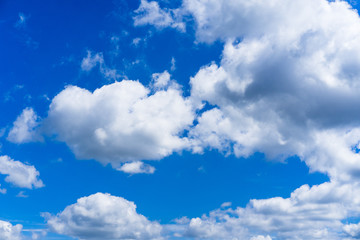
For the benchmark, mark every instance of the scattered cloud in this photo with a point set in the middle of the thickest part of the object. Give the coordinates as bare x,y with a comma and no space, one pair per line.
136,41
150,13
93,60
136,168
173,64
226,205
22,194
25,128
20,174
103,216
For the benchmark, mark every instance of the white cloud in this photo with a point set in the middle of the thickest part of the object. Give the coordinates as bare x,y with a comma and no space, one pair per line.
20,174
25,128
121,122
149,13
102,216
3,190
261,237
9,231
136,41
173,64
289,87
161,80
93,60
287,84
352,230
21,194
137,167
226,204
309,213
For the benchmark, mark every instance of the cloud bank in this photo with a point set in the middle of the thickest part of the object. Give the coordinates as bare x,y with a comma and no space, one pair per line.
103,216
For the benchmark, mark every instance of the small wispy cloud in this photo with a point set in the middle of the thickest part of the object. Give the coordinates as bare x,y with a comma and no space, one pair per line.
22,20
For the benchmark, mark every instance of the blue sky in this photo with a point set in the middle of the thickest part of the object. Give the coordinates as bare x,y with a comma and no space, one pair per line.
225,119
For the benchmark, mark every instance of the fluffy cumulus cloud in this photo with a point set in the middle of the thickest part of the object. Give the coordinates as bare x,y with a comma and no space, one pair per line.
151,13
121,122
287,84
309,213
25,127
289,87
19,174
103,216
9,231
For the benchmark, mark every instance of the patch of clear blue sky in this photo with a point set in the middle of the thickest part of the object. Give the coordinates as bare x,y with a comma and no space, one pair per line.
41,57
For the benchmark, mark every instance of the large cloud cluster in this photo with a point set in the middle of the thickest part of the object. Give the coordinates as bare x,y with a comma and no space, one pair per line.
289,87
103,216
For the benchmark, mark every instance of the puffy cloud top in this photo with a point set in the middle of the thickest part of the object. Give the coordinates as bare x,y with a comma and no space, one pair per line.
121,122
102,216
289,87
9,231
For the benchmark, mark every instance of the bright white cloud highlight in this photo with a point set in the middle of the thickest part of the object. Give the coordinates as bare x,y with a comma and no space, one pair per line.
102,216
20,174
121,122
151,13
261,237
137,167
9,231
161,80
25,127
